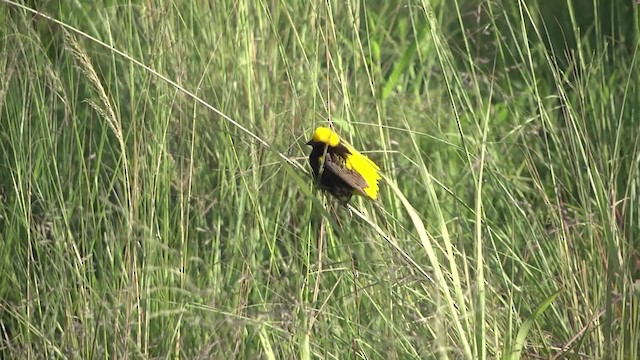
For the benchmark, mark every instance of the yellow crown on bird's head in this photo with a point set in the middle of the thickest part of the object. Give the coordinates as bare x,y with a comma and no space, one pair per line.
326,136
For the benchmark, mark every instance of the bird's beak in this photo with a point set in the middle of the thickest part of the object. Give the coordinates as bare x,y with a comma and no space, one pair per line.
310,142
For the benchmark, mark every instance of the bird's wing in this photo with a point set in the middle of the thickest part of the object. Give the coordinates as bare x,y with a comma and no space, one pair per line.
336,166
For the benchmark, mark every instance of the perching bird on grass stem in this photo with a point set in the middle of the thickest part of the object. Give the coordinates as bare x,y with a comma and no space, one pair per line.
340,169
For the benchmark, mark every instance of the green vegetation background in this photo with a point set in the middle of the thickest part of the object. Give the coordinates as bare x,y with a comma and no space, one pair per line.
156,201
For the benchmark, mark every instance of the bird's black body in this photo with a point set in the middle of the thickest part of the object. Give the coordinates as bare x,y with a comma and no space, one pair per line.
331,173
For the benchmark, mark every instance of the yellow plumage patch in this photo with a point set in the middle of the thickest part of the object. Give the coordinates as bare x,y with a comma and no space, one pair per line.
367,169
326,136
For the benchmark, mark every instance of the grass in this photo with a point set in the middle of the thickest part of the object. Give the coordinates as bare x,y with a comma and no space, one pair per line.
156,200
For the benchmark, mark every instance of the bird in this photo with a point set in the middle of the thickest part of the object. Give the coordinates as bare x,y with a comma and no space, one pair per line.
340,169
